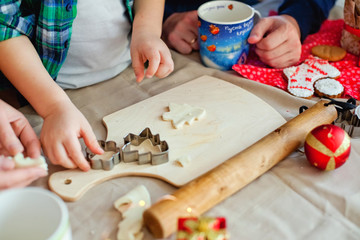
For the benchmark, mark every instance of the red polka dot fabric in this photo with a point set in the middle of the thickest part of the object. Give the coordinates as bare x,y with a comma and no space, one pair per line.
329,34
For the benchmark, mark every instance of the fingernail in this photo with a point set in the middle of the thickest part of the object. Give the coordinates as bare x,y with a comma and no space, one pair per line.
253,35
15,148
40,172
101,150
7,164
43,173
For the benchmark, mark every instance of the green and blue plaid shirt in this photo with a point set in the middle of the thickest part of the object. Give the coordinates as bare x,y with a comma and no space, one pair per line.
47,23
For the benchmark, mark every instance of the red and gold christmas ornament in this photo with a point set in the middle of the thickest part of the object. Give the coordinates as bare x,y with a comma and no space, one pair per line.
327,147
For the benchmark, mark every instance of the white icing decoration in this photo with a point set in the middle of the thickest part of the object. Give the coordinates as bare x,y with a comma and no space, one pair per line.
21,162
138,200
329,86
301,78
181,114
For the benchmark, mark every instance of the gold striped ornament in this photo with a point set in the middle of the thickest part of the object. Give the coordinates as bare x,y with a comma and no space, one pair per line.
327,147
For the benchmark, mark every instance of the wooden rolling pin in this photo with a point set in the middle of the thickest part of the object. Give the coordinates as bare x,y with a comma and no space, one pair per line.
206,191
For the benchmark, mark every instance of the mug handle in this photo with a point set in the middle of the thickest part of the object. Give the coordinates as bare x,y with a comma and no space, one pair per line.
257,16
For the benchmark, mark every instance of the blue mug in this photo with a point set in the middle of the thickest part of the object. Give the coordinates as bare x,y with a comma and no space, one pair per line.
224,27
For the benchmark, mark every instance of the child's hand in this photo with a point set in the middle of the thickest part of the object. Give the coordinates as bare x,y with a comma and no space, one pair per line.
146,46
62,128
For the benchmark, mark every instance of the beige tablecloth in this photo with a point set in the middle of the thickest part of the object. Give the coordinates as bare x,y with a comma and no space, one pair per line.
291,201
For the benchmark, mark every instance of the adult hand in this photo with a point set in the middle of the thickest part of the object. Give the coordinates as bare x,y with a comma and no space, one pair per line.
16,134
180,31
277,40
21,177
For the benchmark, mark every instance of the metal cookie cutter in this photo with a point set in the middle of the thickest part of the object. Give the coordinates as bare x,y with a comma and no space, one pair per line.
129,155
348,118
104,161
126,153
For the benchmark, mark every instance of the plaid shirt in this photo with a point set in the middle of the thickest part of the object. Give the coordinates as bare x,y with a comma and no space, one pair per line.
48,23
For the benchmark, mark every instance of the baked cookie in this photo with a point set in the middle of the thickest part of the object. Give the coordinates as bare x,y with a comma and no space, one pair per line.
350,35
328,87
301,78
330,53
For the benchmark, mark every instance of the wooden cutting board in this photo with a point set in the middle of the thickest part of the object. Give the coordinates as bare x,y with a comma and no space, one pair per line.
234,120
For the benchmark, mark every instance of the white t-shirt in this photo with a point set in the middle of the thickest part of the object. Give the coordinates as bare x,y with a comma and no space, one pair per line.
99,47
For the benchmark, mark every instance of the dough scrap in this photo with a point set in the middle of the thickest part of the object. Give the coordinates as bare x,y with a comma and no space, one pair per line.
146,146
184,160
132,206
180,114
21,162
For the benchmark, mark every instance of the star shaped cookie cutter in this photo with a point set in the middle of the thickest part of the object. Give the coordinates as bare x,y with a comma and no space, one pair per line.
127,154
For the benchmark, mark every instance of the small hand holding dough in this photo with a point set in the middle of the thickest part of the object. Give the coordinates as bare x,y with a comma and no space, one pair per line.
181,114
132,207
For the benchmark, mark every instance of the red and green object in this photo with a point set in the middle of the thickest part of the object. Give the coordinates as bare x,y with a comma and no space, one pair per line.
202,228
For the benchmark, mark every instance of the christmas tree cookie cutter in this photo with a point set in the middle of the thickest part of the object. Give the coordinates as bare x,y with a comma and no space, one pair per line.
129,152
129,155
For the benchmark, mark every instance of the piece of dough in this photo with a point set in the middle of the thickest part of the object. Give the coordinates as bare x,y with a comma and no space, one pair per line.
183,113
21,162
146,146
132,207
184,160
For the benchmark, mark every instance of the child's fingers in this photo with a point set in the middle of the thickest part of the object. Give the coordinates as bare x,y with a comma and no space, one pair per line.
59,156
166,66
73,148
90,139
154,62
138,66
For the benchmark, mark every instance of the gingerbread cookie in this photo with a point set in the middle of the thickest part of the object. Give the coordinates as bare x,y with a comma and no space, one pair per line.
301,78
330,53
350,35
328,87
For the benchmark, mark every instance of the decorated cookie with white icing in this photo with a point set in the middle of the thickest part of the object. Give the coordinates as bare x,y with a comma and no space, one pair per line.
301,78
328,87
183,113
